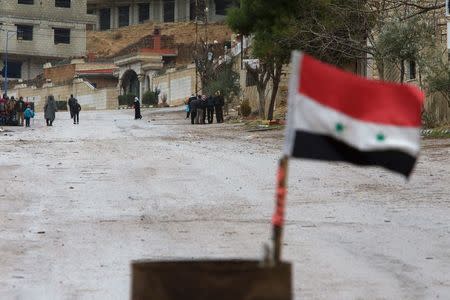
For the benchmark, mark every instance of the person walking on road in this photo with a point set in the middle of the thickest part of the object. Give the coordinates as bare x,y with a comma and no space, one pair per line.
137,109
76,112
50,110
219,103
28,114
71,103
20,108
210,109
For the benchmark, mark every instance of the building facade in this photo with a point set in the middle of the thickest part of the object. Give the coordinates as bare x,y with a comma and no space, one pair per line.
112,14
34,32
137,68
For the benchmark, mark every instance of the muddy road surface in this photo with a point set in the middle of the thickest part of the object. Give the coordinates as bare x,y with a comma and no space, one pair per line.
79,202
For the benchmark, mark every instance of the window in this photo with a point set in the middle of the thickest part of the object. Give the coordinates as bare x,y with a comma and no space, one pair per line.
222,6
62,36
169,11
24,32
250,80
14,69
412,69
124,16
105,19
25,1
447,7
144,12
192,10
62,3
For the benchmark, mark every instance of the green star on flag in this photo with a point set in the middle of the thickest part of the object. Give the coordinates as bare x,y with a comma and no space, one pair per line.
339,127
381,137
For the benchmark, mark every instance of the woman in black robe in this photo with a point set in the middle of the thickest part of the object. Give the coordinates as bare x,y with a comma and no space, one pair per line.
137,109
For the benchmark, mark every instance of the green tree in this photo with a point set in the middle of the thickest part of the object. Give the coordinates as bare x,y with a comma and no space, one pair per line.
402,41
268,21
226,81
332,30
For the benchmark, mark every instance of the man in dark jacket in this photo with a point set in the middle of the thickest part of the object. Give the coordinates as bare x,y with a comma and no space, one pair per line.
219,103
194,105
204,103
210,109
71,102
199,115
76,112
20,108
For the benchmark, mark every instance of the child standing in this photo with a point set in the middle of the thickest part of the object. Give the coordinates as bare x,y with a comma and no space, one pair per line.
28,114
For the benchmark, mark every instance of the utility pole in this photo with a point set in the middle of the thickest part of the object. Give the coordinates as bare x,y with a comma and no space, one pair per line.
196,48
207,56
5,83
206,24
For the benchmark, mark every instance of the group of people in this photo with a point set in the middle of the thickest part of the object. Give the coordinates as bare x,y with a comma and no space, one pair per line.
202,108
50,109
15,112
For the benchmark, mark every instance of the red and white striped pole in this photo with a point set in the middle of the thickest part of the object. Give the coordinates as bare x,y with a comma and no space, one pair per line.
279,215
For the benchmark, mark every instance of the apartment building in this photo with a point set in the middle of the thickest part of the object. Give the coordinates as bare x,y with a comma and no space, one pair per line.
113,14
34,32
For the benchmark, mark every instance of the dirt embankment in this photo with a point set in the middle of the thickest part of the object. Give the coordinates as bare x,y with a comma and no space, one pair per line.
109,43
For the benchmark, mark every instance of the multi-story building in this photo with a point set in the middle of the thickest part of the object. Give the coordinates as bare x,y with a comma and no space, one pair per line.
112,14
34,32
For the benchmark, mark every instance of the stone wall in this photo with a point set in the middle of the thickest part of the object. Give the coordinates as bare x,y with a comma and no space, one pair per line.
59,74
89,97
177,85
101,83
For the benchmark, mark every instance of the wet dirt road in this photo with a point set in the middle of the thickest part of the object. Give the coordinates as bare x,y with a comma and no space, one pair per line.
78,203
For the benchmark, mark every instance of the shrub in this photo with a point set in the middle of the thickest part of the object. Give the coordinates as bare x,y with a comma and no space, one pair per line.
61,105
429,120
127,100
150,98
246,110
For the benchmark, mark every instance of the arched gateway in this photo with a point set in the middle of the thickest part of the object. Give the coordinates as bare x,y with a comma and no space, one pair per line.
130,83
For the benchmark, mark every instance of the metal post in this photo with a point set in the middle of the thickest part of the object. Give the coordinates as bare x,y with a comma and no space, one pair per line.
242,51
196,48
5,86
206,24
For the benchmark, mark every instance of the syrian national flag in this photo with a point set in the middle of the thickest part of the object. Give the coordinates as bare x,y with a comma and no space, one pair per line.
338,116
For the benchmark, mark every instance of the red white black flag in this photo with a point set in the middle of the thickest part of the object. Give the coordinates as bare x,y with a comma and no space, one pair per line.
338,116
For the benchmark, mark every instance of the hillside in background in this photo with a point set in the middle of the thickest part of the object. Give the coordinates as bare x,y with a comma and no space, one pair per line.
107,44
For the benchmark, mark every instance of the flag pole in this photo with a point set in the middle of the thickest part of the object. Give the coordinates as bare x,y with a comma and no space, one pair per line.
278,217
